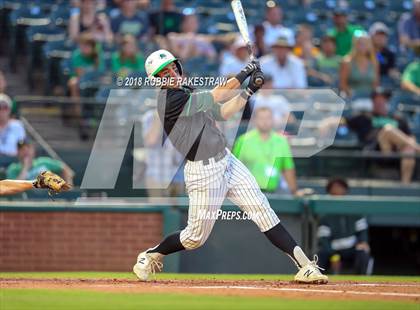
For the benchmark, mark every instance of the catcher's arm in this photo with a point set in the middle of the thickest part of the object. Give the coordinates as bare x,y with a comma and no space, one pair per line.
12,187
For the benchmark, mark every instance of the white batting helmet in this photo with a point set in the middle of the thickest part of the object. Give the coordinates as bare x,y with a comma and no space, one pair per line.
159,59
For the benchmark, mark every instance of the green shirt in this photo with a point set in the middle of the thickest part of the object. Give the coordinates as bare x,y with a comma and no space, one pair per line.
344,39
123,67
327,64
88,64
39,165
361,83
265,159
412,73
381,121
15,109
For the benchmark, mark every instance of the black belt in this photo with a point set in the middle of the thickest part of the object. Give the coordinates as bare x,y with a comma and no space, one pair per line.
219,156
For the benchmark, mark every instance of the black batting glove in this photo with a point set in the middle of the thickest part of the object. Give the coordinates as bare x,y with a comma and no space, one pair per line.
251,67
253,86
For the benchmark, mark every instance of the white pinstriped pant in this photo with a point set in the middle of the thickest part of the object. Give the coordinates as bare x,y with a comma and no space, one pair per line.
208,186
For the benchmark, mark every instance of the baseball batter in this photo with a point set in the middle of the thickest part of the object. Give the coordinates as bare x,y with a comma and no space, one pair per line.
212,173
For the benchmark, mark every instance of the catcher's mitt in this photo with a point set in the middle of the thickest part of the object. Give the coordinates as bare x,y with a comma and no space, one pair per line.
52,182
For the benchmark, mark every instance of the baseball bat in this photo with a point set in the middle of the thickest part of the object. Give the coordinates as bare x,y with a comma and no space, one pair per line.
240,18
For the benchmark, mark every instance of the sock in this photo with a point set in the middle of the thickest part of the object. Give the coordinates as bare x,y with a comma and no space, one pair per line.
170,244
281,238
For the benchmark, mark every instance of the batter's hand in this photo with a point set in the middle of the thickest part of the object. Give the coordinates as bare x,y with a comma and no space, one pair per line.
250,68
253,87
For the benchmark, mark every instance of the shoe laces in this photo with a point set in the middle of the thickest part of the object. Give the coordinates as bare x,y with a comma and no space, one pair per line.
314,263
155,265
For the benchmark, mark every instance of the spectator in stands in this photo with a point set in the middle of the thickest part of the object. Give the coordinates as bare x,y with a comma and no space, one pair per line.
238,59
130,20
188,43
343,31
127,59
409,27
11,130
267,154
385,57
260,47
343,240
29,166
273,28
359,72
410,80
3,90
304,47
87,58
165,20
162,162
327,64
381,131
143,4
287,70
87,19
279,105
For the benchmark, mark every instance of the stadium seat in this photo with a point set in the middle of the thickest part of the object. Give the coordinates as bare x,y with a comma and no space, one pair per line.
65,71
362,5
195,64
6,7
212,69
108,50
400,6
53,53
315,82
303,17
147,47
60,16
389,82
210,4
12,4
47,4
58,49
402,61
405,102
322,5
102,94
345,138
416,126
20,19
36,37
90,83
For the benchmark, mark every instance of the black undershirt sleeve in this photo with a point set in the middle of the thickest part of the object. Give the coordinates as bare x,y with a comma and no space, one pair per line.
175,105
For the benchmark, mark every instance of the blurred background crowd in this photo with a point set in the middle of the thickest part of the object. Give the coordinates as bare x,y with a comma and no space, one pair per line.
69,54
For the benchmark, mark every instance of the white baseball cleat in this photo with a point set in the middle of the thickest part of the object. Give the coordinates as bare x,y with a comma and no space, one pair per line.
147,264
310,274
